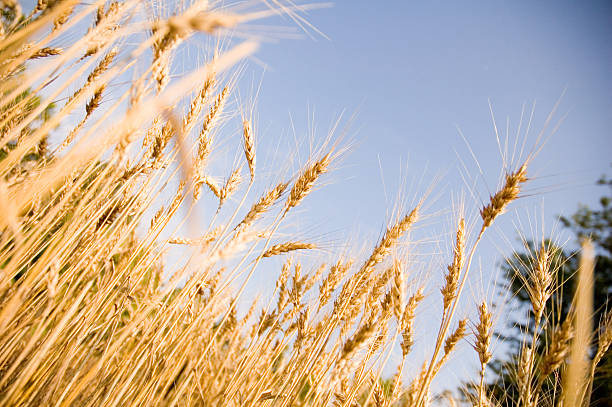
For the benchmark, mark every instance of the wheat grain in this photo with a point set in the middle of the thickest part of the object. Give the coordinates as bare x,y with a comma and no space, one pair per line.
287,247
230,186
249,146
483,336
605,338
407,321
540,289
449,290
508,193
525,375
398,290
557,349
46,52
455,337
197,104
389,239
306,180
330,283
261,206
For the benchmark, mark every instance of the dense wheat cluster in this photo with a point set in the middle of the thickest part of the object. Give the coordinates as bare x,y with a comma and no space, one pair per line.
88,314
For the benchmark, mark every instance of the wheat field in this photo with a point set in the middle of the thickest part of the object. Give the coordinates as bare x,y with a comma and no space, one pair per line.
98,184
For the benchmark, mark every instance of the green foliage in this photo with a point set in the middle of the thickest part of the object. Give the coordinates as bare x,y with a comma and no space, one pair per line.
593,223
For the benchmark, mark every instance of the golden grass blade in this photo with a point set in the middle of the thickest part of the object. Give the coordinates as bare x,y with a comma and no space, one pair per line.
575,376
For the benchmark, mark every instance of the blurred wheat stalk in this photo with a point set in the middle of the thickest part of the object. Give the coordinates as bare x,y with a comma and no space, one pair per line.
87,316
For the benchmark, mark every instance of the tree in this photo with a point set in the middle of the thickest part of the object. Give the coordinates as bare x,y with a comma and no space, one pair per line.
595,224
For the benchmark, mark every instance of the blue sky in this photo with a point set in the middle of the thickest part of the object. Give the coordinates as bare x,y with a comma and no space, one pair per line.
409,75
412,71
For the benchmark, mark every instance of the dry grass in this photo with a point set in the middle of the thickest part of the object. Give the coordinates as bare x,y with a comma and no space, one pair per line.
88,317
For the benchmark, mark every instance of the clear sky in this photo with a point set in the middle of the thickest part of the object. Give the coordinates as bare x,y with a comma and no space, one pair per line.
413,71
410,74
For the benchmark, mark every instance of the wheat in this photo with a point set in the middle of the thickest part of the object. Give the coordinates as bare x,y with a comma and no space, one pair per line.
407,321
287,247
575,377
605,338
451,342
330,283
46,52
306,180
197,104
483,334
61,18
454,270
483,340
540,287
102,66
207,21
508,193
524,375
104,302
357,341
455,337
398,290
249,146
230,186
390,239
557,349
261,206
